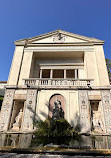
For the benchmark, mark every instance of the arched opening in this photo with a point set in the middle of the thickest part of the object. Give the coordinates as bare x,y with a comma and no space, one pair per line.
57,106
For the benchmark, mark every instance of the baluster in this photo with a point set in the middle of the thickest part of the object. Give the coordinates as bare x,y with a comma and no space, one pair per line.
65,82
74,83
71,82
88,83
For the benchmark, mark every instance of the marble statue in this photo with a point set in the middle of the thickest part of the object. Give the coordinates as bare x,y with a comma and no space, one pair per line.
19,117
57,112
97,122
18,121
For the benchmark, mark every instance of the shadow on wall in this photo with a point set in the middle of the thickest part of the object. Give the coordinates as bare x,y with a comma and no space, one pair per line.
1,100
77,127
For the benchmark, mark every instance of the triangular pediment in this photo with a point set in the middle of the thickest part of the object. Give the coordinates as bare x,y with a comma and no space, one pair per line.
58,36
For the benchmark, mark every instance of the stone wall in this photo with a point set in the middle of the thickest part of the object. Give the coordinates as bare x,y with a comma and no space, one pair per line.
6,110
29,110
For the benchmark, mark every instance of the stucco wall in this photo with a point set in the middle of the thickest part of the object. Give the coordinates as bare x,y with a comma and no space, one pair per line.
90,67
71,104
16,64
101,66
26,66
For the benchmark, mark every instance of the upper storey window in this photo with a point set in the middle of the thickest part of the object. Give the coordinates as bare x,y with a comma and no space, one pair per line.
45,73
59,73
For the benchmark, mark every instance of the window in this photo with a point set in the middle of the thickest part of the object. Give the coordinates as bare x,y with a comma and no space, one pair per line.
45,73
58,73
70,74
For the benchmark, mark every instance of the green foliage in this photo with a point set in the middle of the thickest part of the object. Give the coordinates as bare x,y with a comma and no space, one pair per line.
54,128
108,64
1,98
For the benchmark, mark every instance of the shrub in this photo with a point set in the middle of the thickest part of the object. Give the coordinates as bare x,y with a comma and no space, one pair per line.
54,128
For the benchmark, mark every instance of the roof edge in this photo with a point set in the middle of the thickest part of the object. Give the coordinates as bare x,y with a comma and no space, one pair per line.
38,37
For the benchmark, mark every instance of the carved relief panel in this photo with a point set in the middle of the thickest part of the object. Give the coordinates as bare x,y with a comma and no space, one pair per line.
106,102
84,111
6,110
29,110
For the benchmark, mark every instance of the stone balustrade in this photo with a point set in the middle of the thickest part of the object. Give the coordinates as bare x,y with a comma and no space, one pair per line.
46,82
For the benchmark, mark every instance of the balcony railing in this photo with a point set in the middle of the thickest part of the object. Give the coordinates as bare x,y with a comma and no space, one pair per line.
46,82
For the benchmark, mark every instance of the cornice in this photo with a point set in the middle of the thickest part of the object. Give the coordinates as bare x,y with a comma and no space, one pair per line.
46,35
59,48
57,44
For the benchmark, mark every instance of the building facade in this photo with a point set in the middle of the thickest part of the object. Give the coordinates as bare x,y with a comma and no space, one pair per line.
63,69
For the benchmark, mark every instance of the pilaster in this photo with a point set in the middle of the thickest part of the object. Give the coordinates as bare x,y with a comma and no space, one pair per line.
6,109
26,66
84,111
29,110
16,66
106,102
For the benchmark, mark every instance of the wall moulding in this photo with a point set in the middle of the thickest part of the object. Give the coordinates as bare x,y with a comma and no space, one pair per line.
20,97
63,48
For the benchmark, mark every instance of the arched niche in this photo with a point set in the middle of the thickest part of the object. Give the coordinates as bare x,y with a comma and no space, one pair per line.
53,99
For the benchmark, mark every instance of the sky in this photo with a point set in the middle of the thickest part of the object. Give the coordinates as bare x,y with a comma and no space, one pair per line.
27,18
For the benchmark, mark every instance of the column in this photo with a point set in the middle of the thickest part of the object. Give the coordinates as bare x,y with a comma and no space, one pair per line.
65,81
51,74
75,71
64,74
41,73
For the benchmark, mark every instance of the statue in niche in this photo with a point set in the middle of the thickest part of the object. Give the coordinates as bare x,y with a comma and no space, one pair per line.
57,112
97,121
18,121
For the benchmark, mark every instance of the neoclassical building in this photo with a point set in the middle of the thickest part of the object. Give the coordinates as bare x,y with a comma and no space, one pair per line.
58,69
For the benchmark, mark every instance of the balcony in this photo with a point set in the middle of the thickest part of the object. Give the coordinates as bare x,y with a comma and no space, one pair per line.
57,83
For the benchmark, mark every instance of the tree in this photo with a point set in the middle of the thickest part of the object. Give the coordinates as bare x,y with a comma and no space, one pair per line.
108,64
